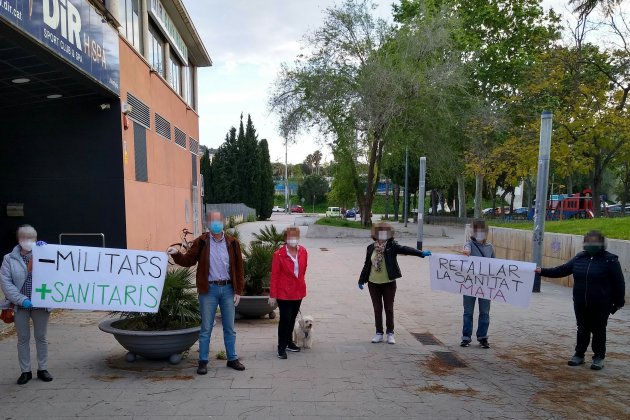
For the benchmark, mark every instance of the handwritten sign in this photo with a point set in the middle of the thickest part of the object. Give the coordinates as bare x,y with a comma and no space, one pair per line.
102,279
488,278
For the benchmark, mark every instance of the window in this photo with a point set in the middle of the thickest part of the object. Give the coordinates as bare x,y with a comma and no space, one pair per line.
180,138
130,14
162,126
188,80
176,74
156,51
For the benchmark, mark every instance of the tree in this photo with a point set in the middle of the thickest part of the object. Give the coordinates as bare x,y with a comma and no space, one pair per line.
206,173
313,186
225,186
358,79
249,165
267,188
342,191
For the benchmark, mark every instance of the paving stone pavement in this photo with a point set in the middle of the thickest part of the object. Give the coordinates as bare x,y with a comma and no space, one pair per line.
523,375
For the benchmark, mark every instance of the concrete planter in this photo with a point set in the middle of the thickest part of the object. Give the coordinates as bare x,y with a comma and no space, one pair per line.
254,307
153,345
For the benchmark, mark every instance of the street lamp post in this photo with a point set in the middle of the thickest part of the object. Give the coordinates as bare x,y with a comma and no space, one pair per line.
286,176
542,180
406,185
421,193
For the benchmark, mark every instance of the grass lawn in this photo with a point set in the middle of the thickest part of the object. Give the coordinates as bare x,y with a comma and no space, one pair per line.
339,222
614,228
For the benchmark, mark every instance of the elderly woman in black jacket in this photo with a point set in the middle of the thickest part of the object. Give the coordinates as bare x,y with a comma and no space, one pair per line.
380,272
598,291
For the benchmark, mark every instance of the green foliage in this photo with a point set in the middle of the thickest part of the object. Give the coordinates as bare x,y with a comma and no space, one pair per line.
241,171
269,236
267,188
313,186
258,259
613,228
179,307
221,355
335,221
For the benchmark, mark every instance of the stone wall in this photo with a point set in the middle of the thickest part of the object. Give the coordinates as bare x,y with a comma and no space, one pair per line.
558,248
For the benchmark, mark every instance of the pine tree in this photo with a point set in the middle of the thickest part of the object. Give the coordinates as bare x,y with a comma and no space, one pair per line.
266,181
248,167
206,174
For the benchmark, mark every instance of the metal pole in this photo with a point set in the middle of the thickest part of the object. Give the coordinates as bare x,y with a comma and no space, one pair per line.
542,181
421,193
406,184
286,176
387,198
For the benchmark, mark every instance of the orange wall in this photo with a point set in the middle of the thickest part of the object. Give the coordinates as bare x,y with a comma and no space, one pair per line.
155,210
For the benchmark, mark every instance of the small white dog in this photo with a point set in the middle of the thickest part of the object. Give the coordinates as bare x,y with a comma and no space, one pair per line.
303,332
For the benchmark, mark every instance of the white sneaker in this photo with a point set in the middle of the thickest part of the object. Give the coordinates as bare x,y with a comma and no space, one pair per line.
390,338
378,338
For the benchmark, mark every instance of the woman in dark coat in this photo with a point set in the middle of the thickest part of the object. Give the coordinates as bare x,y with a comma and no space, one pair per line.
598,291
380,272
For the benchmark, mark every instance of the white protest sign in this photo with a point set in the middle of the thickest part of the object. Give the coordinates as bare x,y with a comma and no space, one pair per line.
104,279
488,278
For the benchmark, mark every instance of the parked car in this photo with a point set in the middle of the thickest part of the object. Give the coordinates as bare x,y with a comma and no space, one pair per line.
351,214
333,212
616,208
521,211
277,209
297,209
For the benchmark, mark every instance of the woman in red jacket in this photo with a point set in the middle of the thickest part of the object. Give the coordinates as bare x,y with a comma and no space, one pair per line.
287,287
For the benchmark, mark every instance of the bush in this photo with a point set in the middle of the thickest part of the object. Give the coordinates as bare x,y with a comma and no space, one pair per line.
258,258
179,307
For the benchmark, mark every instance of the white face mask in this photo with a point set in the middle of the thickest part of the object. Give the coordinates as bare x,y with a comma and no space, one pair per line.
27,245
480,235
383,235
293,242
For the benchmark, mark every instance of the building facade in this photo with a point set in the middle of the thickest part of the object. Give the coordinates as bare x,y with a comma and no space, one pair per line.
101,136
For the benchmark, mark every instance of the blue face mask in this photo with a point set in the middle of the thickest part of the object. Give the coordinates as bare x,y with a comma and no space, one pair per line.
216,226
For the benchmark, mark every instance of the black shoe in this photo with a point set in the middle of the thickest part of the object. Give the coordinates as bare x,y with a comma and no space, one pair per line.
292,347
235,364
24,378
44,375
282,352
202,369
484,343
465,343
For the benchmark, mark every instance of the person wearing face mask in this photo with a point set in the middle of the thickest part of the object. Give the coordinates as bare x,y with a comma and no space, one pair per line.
17,284
477,247
380,272
220,283
598,291
287,287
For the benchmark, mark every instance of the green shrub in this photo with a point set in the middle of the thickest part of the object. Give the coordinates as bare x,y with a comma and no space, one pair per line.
179,306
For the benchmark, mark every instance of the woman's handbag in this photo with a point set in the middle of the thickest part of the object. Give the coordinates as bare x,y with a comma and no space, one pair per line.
7,315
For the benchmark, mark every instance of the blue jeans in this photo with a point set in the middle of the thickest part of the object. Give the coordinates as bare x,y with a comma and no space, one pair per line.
223,297
484,318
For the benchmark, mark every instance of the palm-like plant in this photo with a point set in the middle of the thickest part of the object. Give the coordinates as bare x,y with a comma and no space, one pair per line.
269,235
179,307
258,257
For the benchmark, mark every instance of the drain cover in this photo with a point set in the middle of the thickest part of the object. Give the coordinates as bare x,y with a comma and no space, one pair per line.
427,339
449,359
323,249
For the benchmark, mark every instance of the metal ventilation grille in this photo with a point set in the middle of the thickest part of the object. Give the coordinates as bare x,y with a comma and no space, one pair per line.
180,138
162,126
140,113
193,145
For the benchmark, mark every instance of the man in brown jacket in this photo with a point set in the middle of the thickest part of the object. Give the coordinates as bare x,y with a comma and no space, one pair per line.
219,283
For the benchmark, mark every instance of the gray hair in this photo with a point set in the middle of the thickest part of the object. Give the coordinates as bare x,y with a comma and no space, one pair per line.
26,230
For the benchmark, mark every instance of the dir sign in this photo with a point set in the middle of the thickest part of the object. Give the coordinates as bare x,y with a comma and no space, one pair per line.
74,31
104,279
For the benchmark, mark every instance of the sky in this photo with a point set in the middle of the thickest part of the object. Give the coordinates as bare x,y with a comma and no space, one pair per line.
248,40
